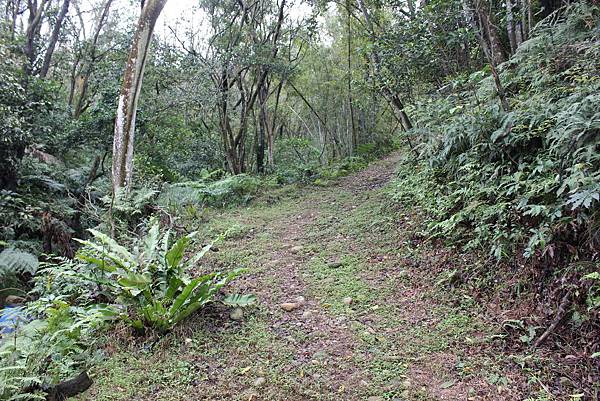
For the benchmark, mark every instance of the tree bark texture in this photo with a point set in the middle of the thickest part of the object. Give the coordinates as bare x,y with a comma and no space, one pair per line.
124,132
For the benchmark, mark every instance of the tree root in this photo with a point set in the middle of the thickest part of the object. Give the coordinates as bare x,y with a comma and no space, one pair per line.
560,314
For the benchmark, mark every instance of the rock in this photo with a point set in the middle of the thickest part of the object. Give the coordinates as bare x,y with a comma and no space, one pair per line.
289,306
375,398
347,301
296,249
14,300
236,314
307,314
260,381
403,274
300,300
335,265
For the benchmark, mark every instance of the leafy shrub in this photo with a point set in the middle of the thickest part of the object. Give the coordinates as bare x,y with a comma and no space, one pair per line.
342,168
527,180
230,190
56,347
152,281
15,267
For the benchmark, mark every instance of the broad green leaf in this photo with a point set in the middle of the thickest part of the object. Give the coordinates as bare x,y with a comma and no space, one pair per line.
235,300
175,254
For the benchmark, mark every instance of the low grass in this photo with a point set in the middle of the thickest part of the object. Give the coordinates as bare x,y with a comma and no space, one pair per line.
399,317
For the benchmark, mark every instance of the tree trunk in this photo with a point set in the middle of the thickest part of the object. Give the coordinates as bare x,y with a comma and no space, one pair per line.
491,34
393,99
263,124
54,38
354,136
483,29
272,127
81,81
122,166
510,26
34,21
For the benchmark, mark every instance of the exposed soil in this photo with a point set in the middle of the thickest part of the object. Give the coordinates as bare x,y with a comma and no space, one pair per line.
374,323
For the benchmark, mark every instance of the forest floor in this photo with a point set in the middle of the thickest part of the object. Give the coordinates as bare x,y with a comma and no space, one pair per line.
374,321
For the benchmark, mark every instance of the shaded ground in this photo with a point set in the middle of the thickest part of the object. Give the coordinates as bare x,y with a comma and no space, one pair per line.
375,323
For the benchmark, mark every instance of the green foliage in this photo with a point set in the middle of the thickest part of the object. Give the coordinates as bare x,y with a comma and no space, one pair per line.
593,298
230,190
152,280
14,261
527,180
238,300
14,130
15,267
45,351
128,208
343,168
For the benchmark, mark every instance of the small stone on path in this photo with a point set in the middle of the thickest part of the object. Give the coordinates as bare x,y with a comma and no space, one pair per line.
347,301
289,306
236,314
335,265
259,381
296,249
307,314
300,300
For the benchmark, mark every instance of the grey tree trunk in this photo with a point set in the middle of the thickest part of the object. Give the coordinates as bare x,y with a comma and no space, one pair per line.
54,38
34,21
510,26
124,133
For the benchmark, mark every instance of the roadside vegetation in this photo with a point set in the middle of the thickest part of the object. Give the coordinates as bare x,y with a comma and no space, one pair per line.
290,200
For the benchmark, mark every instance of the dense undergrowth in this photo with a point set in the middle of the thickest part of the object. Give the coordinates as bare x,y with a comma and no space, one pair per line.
139,276
522,186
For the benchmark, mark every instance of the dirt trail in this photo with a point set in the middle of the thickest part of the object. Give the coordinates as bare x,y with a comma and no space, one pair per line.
330,343
371,326
389,342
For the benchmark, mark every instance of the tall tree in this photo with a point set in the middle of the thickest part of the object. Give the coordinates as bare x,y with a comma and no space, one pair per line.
124,132
391,96
54,37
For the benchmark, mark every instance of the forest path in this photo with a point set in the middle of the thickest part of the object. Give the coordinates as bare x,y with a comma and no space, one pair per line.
371,324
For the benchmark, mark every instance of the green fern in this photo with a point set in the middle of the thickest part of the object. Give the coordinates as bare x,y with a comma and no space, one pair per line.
17,262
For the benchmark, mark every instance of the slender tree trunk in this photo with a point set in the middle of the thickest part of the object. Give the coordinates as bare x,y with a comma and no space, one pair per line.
510,26
54,38
261,132
122,166
491,34
36,12
375,61
272,127
83,78
483,30
354,137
